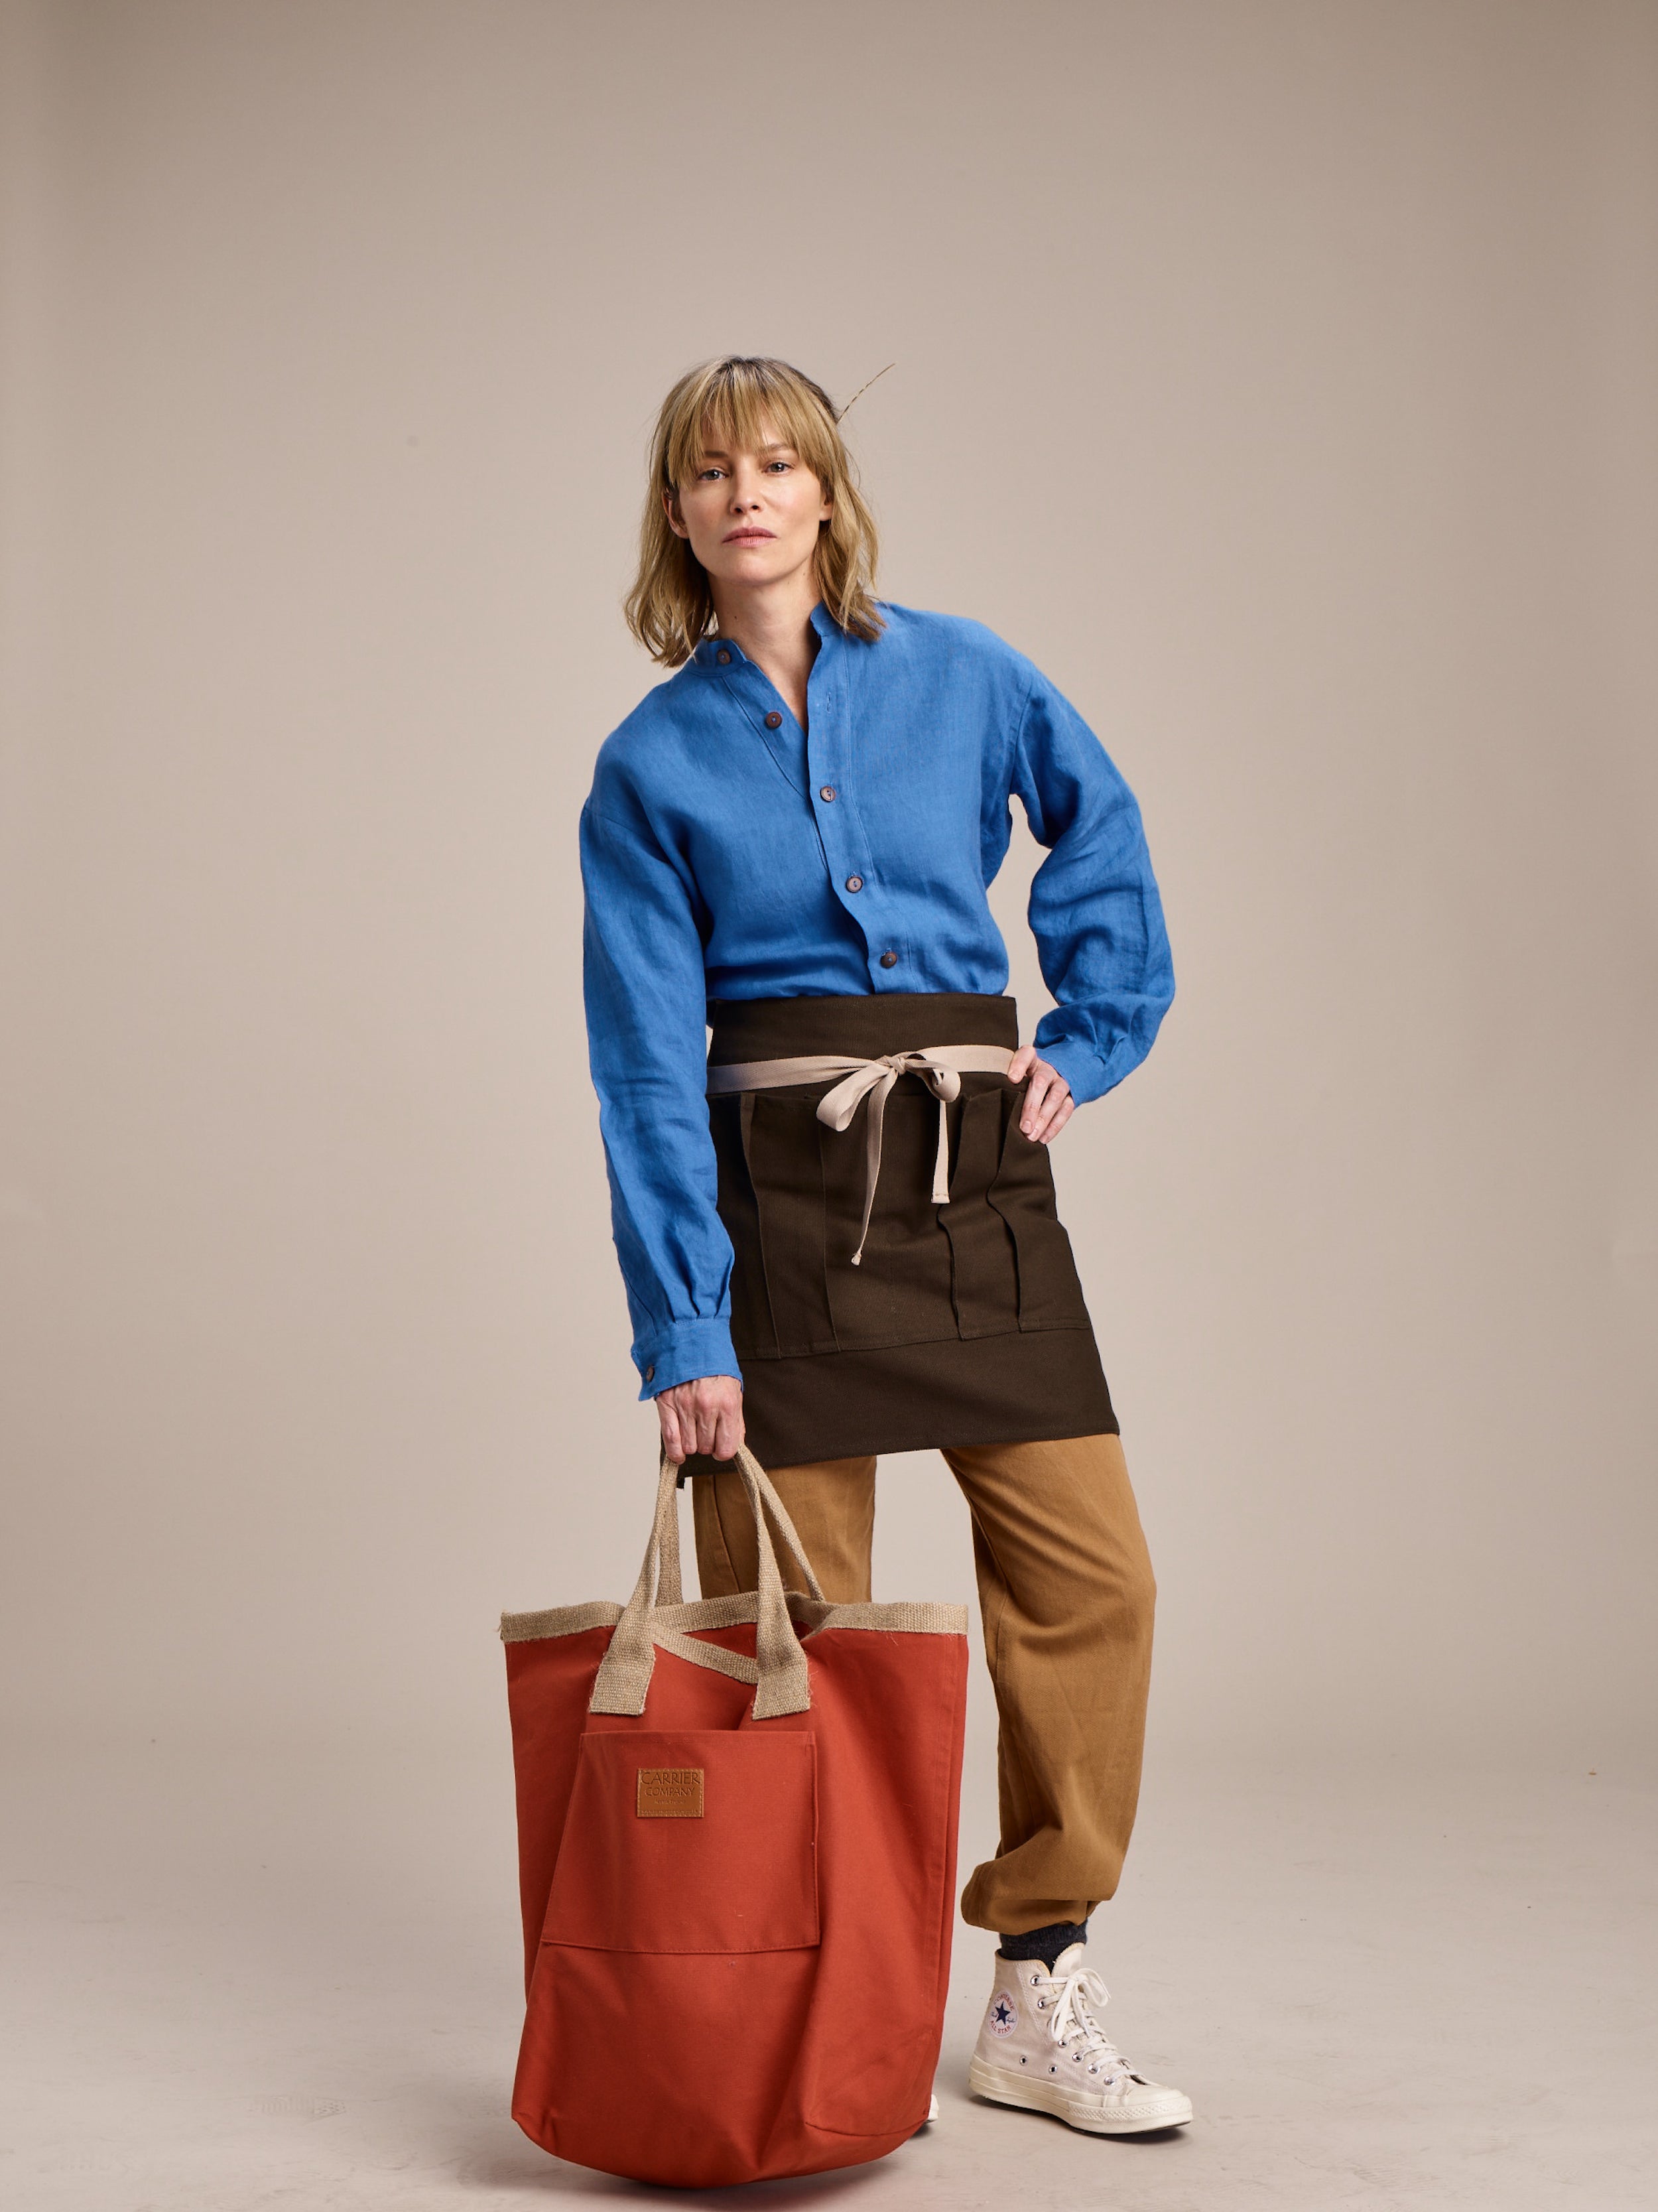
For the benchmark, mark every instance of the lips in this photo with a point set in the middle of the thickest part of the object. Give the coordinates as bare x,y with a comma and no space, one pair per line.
748,537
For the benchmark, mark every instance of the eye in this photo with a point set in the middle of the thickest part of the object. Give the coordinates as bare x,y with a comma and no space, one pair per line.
779,465
703,475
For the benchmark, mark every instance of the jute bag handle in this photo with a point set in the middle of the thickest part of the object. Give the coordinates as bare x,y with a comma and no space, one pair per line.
779,1668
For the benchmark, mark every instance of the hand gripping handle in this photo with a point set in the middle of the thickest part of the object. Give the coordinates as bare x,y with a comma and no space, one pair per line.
779,1668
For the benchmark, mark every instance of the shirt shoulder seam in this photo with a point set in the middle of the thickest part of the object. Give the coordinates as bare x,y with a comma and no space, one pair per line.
616,821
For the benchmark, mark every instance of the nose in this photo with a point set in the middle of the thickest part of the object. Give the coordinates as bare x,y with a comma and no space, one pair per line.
746,486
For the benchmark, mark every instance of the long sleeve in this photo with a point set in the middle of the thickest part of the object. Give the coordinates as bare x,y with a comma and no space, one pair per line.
1094,907
643,988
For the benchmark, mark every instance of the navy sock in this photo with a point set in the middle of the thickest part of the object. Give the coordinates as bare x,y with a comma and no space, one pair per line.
1044,1943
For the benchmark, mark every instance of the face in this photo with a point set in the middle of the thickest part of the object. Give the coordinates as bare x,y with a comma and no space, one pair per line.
751,516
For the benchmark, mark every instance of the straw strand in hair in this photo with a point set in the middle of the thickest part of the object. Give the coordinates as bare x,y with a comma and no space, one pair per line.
861,389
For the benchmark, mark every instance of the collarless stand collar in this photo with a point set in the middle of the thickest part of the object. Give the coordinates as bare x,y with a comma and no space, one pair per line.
724,653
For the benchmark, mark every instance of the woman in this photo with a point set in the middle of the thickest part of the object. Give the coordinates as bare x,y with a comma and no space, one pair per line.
791,841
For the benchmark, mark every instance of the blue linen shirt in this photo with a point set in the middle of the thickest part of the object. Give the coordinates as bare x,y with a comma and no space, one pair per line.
728,855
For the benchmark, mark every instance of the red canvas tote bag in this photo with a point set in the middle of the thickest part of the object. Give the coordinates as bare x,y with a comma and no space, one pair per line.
736,1831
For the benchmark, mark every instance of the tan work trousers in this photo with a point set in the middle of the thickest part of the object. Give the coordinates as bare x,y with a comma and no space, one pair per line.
1066,1592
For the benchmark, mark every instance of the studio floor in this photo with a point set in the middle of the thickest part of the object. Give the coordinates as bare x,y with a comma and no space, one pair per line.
241,1981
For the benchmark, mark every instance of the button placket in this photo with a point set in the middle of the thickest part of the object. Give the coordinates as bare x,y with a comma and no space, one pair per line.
838,826
749,690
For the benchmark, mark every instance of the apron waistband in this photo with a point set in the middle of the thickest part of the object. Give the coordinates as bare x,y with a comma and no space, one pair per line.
940,1066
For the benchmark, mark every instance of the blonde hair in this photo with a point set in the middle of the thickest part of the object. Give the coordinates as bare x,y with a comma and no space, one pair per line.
670,608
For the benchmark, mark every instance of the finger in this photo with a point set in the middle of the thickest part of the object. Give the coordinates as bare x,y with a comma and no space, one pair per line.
708,1420
1053,1113
1019,1065
1064,1106
670,1420
1034,1111
728,1432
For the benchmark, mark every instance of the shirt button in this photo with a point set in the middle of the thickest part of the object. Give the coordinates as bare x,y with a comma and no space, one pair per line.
827,791
854,883
724,658
773,721
888,960
650,1372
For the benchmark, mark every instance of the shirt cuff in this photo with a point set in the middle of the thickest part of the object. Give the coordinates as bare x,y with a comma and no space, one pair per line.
681,1352
1085,1073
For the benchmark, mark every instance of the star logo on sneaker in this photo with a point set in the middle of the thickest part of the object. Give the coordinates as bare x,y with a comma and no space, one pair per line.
1004,2017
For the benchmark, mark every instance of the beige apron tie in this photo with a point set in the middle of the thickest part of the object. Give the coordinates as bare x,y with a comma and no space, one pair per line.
940,1066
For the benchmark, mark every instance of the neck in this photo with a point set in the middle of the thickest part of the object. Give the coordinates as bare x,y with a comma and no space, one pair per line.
773,625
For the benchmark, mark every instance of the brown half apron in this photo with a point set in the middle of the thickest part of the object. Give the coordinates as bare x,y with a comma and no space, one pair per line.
962,1323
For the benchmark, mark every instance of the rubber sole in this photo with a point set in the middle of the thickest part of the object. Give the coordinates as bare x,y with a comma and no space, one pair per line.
1038,2096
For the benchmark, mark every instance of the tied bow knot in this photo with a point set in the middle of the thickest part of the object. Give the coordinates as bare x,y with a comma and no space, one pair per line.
939,1066
873,1079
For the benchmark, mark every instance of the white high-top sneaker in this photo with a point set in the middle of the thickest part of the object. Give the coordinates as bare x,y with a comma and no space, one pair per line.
1041,2046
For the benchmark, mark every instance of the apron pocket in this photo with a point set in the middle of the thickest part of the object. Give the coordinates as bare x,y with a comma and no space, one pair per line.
899,1290
1050,1295
985,1280
785,1171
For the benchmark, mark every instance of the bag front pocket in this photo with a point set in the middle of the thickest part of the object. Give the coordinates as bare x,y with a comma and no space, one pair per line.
689,1840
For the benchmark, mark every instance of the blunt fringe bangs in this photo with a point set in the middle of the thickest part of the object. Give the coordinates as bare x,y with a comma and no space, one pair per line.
670,608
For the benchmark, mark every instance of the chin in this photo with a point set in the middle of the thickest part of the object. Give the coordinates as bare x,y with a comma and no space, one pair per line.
747,568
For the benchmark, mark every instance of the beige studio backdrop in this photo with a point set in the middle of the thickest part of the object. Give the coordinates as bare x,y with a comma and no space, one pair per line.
1278,376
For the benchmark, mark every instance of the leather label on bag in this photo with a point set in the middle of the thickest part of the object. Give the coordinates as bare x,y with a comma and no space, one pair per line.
669,1793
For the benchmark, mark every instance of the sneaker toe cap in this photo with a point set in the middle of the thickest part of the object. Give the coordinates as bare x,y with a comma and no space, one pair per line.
1153,2104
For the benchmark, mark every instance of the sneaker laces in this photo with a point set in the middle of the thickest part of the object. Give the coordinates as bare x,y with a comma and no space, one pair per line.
1073,2018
